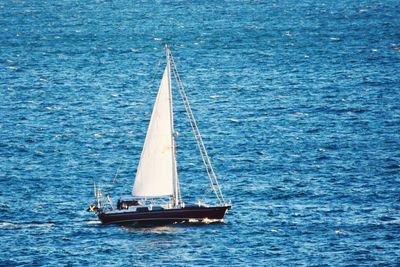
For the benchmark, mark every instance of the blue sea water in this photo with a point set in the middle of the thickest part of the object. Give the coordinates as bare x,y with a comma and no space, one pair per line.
298,103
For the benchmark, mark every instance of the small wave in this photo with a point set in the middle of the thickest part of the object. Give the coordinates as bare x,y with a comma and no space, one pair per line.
322,158
391,220
217,96
25,225
54,108
6,224
340,232
392,166
300,114
234,120
205,221
388,219
93,222
4,206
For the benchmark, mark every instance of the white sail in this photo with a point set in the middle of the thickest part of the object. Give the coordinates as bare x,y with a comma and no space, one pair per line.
156,173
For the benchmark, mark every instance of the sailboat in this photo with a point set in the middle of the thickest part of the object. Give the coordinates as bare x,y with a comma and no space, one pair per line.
157,173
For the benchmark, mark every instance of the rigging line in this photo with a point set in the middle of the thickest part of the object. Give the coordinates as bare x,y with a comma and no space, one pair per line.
191,117
198,137
200,146
115,176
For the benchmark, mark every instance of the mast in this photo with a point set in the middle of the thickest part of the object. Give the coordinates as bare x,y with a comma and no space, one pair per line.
176,195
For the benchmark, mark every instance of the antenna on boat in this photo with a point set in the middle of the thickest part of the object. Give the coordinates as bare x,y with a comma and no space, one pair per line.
94,189
116,175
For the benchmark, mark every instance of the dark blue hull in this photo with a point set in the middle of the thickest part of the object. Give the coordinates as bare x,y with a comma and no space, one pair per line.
166,216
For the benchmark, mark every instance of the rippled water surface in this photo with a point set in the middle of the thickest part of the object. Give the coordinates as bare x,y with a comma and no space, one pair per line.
298,102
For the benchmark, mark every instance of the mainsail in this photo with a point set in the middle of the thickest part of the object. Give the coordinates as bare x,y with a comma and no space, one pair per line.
156,174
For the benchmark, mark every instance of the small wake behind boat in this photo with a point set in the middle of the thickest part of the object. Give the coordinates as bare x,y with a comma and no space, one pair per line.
157,173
